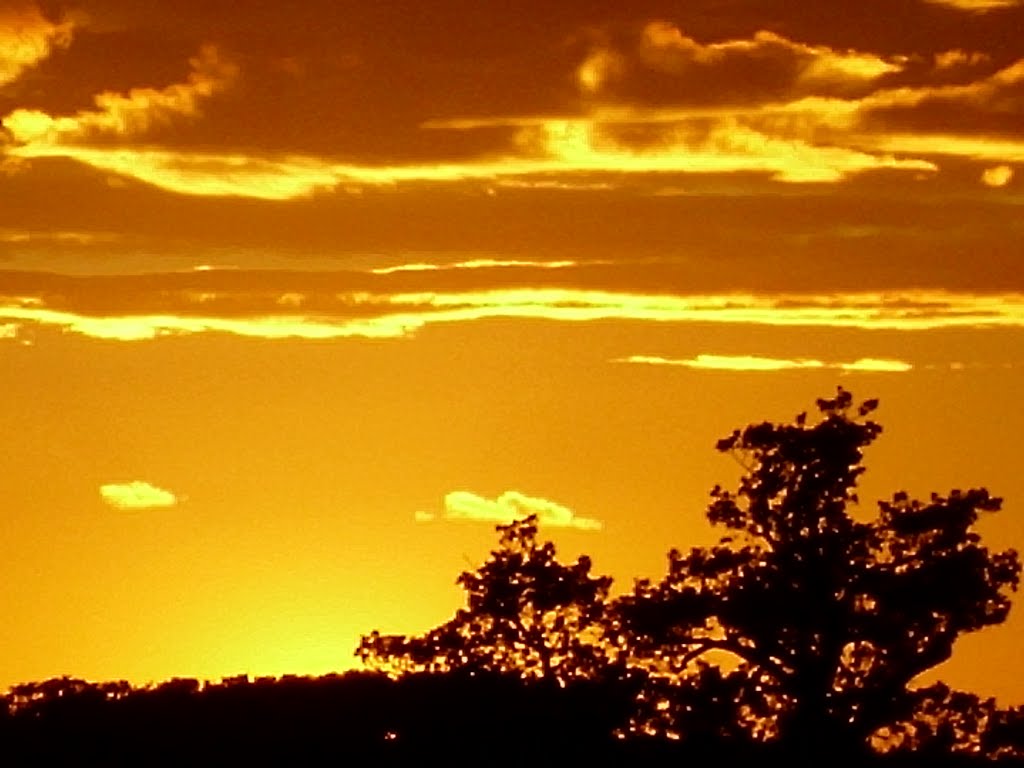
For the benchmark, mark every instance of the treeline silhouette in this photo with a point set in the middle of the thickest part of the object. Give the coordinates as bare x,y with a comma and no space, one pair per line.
797,638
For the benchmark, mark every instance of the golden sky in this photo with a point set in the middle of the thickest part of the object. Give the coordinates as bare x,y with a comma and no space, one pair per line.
298,300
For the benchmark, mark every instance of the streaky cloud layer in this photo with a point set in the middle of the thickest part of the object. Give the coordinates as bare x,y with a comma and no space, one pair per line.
238,303
768,364
976,6
804,113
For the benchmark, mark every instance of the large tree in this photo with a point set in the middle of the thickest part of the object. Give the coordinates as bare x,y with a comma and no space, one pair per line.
824,614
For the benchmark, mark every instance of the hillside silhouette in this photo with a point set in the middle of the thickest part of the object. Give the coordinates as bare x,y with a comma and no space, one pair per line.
796,638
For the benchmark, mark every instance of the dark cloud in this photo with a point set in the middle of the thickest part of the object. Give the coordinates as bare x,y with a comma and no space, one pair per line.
347,81
992,105
709,233
357,80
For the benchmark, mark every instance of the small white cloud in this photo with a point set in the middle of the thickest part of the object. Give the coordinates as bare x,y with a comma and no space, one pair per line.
999,176
424,517
509,506
137,495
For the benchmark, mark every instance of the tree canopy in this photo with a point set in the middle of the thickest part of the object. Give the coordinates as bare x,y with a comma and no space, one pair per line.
806,625
526,613
828,614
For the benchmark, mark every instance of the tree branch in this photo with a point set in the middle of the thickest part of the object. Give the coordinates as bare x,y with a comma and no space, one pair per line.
751,655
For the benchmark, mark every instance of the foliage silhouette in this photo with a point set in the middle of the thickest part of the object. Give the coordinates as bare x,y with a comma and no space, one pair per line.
529,618
827,618
360,718
527,614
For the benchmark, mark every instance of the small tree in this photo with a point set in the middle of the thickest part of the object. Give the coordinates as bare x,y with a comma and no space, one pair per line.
527,614
827,617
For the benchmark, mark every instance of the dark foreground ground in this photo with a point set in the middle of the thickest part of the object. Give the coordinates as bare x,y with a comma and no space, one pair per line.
360,719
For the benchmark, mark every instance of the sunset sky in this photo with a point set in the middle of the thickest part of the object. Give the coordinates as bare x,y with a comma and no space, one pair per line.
297,300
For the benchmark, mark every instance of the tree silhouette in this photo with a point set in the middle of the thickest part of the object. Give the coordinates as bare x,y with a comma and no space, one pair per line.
826,617
821,615
527,614
536,646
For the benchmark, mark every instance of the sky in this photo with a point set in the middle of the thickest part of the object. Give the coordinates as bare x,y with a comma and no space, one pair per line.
299,300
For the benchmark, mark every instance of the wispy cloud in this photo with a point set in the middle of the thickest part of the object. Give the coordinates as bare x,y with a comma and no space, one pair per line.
509,506
561,147
875,365
797,112
474,264
981,149
769,364
959,58
59,236
137,495
27,37
976,6
791,110
549,153
665,47
40,134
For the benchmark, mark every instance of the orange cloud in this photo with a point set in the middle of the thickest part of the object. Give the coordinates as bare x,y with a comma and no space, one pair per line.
876,365
728,146
806,113
562,147
40,134
600,65
977,93
767,364
510,506
192,173
810,138
27,37
571,148
973,147
959,58
976,6
999,176
664,46
137,495
58,236
553,149
475,264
